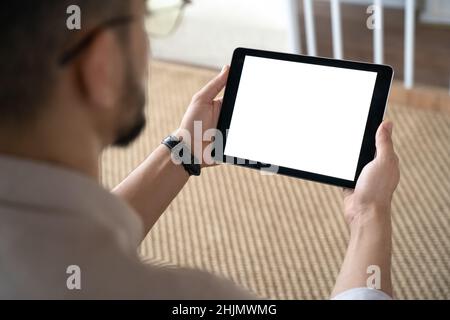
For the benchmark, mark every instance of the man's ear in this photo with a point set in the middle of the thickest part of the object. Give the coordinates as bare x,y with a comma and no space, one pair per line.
100,70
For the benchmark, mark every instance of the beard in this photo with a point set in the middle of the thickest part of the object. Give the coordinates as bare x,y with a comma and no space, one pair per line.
125,138
134,99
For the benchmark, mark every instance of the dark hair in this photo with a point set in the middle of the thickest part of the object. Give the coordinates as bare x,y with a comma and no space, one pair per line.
34,35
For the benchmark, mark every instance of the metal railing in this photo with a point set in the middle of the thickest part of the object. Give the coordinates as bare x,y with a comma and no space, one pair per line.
337,36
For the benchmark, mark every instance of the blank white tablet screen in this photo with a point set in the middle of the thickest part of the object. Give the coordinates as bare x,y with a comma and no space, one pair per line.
301,116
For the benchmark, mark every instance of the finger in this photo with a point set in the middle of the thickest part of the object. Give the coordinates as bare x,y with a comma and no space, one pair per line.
383,141
347,191
218,104
212,89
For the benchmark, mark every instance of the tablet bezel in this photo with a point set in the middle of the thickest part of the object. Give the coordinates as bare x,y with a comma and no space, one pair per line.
374,119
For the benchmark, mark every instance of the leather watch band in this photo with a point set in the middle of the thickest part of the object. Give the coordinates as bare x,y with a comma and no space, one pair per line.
192,166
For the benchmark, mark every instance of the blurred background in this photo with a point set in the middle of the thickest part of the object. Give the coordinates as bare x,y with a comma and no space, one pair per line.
211,29
281,237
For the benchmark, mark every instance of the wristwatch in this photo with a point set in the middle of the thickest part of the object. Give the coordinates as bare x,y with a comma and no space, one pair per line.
177,147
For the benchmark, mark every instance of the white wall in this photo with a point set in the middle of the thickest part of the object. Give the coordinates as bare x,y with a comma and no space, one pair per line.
212,29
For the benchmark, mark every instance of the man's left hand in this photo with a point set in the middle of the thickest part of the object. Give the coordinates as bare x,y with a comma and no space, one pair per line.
201,116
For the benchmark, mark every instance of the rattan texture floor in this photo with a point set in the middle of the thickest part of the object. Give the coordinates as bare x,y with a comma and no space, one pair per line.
285,238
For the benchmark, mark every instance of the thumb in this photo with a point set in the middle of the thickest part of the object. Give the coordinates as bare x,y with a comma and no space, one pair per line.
212,89
383,140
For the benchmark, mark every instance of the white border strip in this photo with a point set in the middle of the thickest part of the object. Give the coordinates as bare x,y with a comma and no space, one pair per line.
378,49
336,24
410,6
309,26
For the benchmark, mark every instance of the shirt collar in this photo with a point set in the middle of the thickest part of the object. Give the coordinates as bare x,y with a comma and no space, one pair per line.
45,186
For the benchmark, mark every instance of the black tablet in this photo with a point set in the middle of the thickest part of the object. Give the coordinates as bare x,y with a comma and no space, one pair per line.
308,117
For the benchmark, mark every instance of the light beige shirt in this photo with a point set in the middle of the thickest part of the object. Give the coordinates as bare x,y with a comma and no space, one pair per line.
52,219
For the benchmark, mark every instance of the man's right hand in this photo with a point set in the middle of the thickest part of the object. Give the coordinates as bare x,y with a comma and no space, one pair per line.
367,211
377,182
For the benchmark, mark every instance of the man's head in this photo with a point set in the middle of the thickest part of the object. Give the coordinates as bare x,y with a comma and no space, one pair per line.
102,86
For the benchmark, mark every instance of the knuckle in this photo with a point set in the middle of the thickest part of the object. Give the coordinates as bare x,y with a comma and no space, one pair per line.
389,159
392,159
196,97
396,159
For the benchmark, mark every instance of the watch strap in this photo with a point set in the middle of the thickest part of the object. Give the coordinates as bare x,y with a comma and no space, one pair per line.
193,168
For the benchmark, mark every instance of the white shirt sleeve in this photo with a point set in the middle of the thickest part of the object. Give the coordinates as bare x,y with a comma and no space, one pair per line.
362,294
